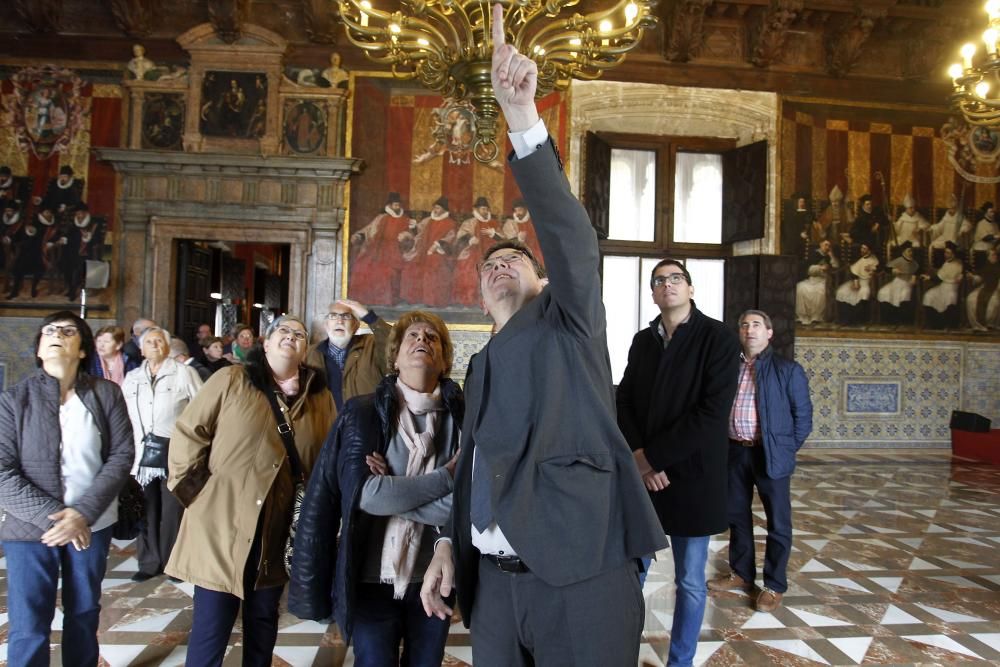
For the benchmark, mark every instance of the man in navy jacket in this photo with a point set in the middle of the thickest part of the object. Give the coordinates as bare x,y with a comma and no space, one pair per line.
770,419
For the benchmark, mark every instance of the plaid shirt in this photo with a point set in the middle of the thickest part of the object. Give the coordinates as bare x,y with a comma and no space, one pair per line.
743,422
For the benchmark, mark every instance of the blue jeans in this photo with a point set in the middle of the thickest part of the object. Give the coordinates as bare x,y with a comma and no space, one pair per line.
690,558
381,623
33,571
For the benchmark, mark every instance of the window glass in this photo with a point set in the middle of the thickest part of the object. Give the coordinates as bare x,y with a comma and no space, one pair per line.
622,298
708,277
632,206
698,198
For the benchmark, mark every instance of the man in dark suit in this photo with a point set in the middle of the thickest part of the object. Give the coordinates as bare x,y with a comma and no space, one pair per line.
549,516
770,420
673,407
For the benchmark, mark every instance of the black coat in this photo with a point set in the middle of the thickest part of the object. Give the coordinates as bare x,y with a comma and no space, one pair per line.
675,403
326,565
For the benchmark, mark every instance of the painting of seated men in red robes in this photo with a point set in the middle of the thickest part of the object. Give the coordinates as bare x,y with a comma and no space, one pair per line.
420,220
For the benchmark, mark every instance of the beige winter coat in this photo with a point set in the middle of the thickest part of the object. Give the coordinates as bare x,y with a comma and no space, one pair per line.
227,466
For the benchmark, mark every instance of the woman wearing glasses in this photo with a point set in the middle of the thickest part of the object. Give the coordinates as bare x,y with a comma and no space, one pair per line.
65,453
156,393
230,467
384,482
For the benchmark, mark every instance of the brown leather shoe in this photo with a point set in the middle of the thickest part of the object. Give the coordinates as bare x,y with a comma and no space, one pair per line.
729,582
768,601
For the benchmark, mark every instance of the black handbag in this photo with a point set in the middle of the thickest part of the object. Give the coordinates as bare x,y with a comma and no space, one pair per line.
287,434
131,511
154,451
131,504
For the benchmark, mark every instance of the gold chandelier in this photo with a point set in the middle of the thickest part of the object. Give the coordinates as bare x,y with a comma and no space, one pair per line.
446,45
977,88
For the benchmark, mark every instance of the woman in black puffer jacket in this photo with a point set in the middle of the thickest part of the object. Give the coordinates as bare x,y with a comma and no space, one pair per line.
385,495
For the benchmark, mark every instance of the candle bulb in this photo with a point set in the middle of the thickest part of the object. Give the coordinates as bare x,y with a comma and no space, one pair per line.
968,51
605,27
990,40
364,17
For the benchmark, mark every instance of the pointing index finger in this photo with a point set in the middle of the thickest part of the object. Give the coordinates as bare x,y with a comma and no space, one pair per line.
497,27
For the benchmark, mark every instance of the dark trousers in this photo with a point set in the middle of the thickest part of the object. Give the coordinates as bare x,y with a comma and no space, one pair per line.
33,573
747,469
518,620
381,623
163,520
215,614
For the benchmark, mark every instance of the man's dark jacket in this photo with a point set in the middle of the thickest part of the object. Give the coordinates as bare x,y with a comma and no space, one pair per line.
784,409
31,485
675,403
326,567
565,489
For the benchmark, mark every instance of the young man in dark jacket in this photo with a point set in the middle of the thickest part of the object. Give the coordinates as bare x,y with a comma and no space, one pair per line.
673,402
770,419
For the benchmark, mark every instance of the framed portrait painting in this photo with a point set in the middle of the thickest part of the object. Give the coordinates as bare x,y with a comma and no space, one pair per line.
423,210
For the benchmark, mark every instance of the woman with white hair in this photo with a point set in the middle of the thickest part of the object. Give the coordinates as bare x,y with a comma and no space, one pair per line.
156,393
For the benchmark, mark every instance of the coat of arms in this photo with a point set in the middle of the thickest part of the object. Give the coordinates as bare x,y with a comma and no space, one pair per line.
454,132
46,109
969,146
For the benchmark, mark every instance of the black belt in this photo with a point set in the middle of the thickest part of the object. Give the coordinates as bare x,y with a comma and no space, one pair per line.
507,563
745,443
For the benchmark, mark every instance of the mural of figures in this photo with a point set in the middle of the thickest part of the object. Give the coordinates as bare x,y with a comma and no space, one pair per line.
378,249
942,296
906,202
57,199
983,303
854,294
452,207
896,296
430,265
233,104
814,292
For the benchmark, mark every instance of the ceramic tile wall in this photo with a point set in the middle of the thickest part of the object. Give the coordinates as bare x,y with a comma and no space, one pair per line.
877,393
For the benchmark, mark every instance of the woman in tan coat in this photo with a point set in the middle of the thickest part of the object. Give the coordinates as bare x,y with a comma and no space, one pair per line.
229,466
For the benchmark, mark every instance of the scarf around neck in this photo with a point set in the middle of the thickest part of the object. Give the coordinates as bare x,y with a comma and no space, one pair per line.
402,536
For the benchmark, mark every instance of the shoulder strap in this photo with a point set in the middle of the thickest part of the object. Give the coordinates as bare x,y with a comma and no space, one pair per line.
287,434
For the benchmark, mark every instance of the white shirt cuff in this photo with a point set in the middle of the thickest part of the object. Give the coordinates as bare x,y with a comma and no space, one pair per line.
527,142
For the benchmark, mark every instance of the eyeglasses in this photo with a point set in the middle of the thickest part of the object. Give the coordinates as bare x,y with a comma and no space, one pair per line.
508,259
67,331
672,278
343,317
297,334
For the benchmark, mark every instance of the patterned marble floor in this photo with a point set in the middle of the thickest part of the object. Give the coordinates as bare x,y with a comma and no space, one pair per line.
895,562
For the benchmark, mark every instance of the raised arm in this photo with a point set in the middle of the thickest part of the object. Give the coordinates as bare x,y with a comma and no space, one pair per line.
565,234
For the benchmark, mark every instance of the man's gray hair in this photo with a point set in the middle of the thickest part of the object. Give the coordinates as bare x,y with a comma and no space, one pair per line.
161,330
760,313
179,347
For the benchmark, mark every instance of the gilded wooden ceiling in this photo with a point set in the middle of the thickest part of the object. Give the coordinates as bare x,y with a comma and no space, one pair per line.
867,50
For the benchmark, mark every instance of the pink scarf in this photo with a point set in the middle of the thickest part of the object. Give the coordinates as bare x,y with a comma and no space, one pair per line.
402,536
116,370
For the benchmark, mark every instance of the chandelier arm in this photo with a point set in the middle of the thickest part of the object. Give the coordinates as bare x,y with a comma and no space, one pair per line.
442,18
426,29
466,23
